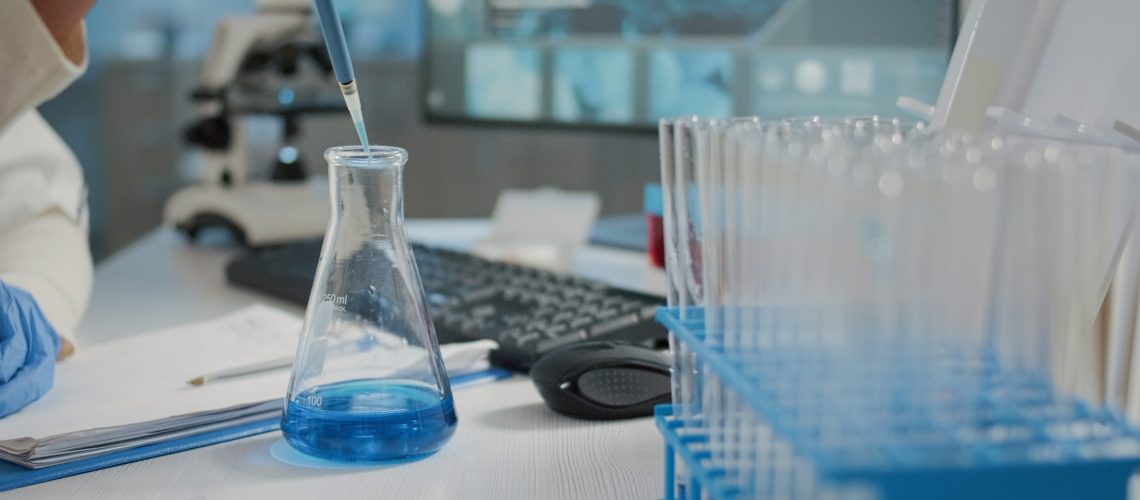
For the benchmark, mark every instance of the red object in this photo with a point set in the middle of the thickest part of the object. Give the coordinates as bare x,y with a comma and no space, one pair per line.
655,244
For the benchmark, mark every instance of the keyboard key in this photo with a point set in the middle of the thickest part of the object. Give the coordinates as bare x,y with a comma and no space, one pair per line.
649,312
631,306
544,312
554,343
516,320
479,294
483,311
615,324
562,317
580,322
450,318
525,340
607,313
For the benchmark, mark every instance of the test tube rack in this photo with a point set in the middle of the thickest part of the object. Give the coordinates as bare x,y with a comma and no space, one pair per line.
1021,441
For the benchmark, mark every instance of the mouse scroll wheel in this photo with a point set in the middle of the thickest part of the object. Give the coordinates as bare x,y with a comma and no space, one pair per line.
620,387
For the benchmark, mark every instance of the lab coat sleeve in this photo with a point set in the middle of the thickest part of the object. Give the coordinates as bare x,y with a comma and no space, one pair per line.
43,230
33,68
48,257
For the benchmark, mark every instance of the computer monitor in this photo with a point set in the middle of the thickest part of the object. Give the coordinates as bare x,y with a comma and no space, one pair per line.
626,63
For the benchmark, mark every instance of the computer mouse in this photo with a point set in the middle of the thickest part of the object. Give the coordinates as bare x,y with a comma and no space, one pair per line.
603,380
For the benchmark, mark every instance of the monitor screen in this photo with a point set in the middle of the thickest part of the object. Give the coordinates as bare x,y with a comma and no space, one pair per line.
626,63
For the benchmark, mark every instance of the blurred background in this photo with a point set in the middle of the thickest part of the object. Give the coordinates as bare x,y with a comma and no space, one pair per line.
494,94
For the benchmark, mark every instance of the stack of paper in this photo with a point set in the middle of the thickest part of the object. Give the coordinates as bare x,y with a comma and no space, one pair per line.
62,448
133,391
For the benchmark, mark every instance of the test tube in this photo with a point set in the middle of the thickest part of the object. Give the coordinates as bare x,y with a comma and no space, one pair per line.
843,264
667,134
684,275
749,143
736,222
705,218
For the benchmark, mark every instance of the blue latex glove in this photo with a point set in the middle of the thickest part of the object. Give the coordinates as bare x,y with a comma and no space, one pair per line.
28,347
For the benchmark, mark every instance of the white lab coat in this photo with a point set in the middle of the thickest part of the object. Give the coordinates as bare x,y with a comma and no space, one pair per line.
43,230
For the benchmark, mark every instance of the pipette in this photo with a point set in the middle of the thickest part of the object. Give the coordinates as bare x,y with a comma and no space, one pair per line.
342,64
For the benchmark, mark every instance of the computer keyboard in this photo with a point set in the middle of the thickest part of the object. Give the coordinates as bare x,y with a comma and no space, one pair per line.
528,311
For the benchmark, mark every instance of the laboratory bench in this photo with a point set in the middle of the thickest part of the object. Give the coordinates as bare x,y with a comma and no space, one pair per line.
509,444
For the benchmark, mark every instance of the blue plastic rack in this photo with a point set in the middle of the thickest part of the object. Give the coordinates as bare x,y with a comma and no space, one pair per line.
1093,458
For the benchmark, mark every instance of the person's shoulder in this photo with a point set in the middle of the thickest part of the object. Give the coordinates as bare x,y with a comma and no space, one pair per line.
24,123
38,172
31,135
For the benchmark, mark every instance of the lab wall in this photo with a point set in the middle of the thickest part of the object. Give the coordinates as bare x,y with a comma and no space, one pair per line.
125,122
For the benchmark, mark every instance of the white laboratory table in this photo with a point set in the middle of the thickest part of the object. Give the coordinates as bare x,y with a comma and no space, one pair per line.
509,444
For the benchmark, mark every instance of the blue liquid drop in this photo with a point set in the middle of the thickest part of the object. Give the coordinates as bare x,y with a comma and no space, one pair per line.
369,421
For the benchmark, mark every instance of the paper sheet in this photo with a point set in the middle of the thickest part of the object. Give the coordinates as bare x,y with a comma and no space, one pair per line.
143,378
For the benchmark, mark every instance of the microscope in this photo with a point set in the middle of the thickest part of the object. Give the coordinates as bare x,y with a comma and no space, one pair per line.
268,65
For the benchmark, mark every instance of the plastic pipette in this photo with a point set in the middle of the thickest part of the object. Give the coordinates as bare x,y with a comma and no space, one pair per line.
342,64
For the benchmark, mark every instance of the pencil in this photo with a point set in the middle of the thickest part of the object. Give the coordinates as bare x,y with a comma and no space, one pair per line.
264,366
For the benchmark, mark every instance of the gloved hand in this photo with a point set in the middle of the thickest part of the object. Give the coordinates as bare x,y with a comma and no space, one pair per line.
28,347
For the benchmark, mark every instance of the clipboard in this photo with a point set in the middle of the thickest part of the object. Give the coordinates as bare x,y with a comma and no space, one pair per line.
13,476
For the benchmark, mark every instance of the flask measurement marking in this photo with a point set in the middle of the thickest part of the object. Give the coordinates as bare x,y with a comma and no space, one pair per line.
338,301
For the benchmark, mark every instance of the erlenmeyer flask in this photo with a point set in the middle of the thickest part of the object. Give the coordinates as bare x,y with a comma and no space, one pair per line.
368,383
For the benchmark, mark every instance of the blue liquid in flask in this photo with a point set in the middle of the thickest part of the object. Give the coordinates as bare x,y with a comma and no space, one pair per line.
369,421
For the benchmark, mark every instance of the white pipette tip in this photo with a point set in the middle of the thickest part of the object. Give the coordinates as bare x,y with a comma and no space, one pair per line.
352,100
360,132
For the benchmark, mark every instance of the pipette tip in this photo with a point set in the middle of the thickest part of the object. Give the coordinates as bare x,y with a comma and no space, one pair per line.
352,100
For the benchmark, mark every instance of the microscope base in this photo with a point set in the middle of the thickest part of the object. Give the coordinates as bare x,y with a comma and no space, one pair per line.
258,213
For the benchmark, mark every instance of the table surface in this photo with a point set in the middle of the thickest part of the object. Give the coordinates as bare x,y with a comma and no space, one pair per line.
509,444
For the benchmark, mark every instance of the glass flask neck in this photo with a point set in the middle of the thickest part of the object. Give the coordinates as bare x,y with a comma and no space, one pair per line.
365,188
